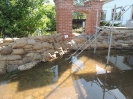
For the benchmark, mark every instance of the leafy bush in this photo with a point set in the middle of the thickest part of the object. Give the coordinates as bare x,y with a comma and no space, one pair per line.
20,18
104,23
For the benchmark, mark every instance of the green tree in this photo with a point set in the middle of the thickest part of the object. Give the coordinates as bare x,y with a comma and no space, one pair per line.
79,15
23,17
49,11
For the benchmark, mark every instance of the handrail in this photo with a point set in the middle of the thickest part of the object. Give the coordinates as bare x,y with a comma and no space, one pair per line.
88,45
95,37
79,48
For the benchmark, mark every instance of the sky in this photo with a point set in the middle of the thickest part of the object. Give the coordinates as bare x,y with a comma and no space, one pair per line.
51,1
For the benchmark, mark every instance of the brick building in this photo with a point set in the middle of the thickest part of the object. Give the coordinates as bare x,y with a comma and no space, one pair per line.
65,10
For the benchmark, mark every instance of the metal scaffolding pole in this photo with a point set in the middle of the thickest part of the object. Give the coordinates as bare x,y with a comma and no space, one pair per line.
110,40
96,31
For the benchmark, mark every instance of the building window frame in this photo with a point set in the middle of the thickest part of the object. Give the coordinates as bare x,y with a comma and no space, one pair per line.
103,15
118,14
132,13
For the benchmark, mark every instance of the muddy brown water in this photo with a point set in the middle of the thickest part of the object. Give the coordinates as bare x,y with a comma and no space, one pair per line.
59,79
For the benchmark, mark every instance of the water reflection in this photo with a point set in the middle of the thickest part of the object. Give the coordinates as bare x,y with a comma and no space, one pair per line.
93,90
129,60
100,70
76,64
119,62
54,69
92,79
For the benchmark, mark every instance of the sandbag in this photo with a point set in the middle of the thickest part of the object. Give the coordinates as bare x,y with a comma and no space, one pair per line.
57,46
105,44
74,47
61,52
11,68
40,38
77,40
125,45
37,56
14,39
1,41
116,44
51,39
38,46
27,66
68,45
2,64
8,40
27,59
1,48
6,44
81,45
15,45
92,45
30,55
40,50
99,45
130,42
51,51
120,41
47,45
13,57
15,62
27,46
45,38
63,45
118,36
113,44
28,50
31,37
6,50
21,41
58,37
46,56
2,71
18,52
31,41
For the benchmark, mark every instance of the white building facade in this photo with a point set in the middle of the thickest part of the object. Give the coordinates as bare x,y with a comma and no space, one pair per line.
121,6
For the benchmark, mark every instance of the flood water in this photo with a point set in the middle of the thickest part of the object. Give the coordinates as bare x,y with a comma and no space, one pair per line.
89,78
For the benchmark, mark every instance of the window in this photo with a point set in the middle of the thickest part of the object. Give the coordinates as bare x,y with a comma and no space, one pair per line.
117,13
103,15
132,14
